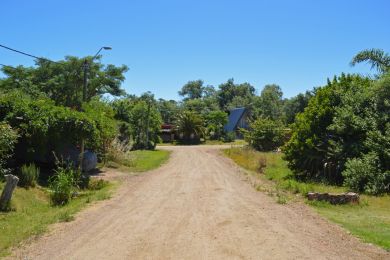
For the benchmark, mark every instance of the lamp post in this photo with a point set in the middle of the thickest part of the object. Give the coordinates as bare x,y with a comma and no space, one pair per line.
86,67
85,86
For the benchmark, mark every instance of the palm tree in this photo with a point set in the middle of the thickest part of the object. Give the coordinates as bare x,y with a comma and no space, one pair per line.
190,125
376,57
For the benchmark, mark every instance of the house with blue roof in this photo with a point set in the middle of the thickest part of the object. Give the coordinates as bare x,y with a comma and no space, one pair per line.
238,118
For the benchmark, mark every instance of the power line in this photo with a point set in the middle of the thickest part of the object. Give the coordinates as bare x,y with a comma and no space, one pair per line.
7,66
26,54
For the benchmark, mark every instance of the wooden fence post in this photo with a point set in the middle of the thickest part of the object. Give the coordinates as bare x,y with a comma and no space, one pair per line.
6,195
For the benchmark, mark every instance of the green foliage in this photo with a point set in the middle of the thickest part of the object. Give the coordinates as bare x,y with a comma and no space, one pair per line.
215,121
344,122
308,151
28,175
270,103
190,125
377,58
62,82
102,115
146,123
295,105
231,95
265,134
168,109
44,127
192,90
229,137
141,121
365,174
8,138
62,185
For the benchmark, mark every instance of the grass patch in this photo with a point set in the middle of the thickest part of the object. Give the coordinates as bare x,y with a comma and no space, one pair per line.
33,213
145,160
219,142
207,142
370,220
142,160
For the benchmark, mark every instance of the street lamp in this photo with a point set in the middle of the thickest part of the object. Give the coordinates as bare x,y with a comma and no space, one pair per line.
86,67
102,48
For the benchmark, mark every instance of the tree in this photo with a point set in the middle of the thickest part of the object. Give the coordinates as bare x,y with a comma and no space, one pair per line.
265,134
241,94
168,109
378,59
295,105
63,81
140,120
192,90
215,122
270,102
8,138
190,125
343,135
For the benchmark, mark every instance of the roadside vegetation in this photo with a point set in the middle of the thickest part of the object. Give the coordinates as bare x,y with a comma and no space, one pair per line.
337,142
370,220
32,212
140,160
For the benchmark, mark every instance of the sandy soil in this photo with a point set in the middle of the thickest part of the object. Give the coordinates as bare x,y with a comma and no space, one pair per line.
196,206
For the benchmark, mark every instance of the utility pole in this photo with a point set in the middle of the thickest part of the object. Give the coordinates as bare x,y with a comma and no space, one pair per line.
84,99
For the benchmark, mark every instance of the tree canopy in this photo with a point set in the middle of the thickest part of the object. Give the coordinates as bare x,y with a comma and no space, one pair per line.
63,81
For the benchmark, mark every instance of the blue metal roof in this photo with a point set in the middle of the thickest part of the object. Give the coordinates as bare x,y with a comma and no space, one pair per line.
234,117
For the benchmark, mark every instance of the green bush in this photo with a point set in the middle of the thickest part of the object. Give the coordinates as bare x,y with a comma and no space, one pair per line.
28,175
229,137
8,138
364,175
62,185
265,134
347,118
44,127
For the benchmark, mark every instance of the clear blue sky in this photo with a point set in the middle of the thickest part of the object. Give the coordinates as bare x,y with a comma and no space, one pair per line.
296,44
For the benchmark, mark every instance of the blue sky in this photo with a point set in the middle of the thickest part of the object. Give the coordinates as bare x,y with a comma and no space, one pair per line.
295,44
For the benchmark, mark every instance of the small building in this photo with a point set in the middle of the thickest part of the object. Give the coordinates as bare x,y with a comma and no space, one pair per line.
238,118
167,133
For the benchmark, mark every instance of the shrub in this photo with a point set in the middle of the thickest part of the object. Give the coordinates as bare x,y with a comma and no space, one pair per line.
364,175
331,129
28,175
8,139
62,185
44,127
265,134
229,137
118,152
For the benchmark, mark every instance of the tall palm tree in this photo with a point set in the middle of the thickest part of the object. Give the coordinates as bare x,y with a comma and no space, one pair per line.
376,57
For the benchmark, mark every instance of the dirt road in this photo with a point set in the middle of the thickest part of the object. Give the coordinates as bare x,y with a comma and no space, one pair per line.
196,206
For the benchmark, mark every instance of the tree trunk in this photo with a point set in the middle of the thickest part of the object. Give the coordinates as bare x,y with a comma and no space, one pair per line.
5,199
